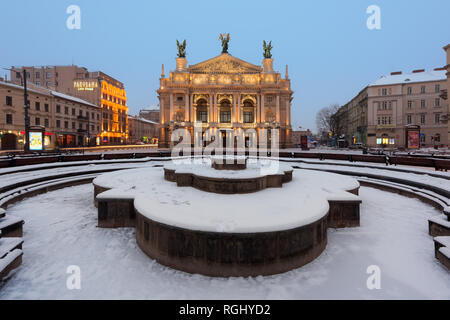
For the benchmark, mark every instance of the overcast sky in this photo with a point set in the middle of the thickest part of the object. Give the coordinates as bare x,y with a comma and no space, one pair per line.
330,51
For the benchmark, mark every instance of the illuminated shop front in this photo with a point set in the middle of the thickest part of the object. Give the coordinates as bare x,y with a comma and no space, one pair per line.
385,140
11,139
66,140
15,140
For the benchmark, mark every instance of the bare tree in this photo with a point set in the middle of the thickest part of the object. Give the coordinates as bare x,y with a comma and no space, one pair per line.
325,121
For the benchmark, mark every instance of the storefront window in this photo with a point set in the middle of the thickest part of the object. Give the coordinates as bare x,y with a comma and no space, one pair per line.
385,140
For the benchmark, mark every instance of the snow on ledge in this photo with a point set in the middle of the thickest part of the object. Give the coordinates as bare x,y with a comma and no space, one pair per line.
441,220
443,240
255,168
445,251
10,257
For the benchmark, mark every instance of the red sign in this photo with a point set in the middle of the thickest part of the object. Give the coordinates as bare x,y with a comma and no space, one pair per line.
46,133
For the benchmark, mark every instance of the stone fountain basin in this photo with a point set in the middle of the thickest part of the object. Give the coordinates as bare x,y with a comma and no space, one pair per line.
297,203
256,176
261,233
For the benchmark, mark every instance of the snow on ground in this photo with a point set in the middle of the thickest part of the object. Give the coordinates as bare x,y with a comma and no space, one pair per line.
356,164
12,178
60,230
443,182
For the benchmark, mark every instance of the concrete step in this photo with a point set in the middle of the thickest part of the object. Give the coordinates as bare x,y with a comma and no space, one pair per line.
442,250
9,244
11,226
11,261
447,212
439,226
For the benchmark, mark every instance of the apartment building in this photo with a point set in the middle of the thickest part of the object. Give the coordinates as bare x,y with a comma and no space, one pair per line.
142,130
399,111
66,121
150,114
95,87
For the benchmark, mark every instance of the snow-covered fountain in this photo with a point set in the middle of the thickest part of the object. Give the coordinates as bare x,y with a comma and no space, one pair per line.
228,216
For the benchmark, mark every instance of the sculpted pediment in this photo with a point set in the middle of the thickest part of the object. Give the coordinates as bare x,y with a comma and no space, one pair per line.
224,63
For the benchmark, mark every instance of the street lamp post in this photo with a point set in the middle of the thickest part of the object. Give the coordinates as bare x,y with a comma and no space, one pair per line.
26,147
88,133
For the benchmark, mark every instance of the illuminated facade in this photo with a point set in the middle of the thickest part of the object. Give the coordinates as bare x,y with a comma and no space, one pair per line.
227,95
95,87
114,106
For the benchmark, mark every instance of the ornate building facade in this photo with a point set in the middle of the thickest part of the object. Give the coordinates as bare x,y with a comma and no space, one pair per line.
226,95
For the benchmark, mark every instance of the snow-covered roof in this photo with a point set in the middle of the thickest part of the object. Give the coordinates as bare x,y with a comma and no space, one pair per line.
154,108
12,85
142,119
410,78
75,99
37,89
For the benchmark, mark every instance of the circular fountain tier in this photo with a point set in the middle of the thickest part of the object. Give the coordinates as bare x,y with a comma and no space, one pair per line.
229,162
228,174
260,233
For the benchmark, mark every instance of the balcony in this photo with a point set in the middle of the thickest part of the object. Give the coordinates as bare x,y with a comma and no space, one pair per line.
83,118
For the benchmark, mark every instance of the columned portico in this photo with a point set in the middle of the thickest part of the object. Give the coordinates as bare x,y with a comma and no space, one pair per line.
278,108
210,108
191,107
171,107
186,107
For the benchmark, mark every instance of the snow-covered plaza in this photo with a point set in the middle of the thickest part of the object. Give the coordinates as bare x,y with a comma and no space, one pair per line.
61,230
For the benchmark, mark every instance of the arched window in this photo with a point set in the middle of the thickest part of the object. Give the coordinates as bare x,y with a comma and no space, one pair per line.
202,111
225,111
249,111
